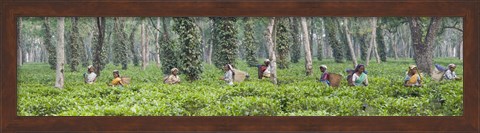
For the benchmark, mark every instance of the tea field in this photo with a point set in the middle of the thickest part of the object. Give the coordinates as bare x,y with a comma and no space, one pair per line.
296,94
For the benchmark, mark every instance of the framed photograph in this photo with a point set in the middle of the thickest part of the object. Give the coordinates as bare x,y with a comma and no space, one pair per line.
130,66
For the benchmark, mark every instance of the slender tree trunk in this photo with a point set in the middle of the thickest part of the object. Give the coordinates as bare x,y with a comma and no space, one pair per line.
19,56
157,45
308,54
59,80
144,47
372,42
394,39
352,52
271,50
461,51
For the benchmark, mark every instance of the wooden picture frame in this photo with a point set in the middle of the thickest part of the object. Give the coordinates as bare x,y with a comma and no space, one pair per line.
10,10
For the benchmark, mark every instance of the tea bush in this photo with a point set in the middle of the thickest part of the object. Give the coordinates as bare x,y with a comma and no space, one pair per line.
295,95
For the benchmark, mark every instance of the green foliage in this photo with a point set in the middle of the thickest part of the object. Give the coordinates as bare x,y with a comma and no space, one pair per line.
338,53
99,47
283,42
169,55
52,56
296,95
120,44
382,51
74,45
190,39
225,42
363,47
296,43
250,43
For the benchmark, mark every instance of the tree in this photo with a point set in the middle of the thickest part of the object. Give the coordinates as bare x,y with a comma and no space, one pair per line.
169,50
350,45
19,48
295,48
308,54
75,45
372,43
381,45
332,40
132,43
271,51
423,43
120,47
157,44
226,49
59,80
191,51
250,46
99,54
282,43
144,44
52,58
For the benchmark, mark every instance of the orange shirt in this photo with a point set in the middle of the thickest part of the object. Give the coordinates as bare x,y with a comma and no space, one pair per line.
117,81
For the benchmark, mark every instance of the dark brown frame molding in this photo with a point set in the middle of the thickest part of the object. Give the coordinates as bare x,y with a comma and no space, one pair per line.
10,9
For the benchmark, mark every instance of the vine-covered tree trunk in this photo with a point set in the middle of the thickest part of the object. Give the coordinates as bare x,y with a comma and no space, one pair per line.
382,50
271,51
143,44
423,45
350,45
135,58
332,40
249,41
120,47
296,50
282,43
308,54
75,45
60,79
189,37
169,50
99,54
226,46
52,58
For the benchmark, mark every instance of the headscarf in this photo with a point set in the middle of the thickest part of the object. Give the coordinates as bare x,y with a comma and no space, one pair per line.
174,69
451,65
324,66
267,60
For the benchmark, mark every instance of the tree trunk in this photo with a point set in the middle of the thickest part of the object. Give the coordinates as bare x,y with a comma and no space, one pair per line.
19,56
59,80
423,49
143,43
271,51
350,45
460,56
157,45
308,54
394,39
99,54
372,42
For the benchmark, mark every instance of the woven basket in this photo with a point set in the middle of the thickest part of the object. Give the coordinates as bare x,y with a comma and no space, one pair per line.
335,79
437,75
240,76
125,80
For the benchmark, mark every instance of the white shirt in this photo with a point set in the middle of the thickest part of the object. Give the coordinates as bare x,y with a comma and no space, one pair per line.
267,71
229,77
450,75
91,77
355,77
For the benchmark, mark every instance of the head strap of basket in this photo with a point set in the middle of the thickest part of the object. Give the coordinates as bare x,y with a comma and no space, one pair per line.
266,60
412,67
229,67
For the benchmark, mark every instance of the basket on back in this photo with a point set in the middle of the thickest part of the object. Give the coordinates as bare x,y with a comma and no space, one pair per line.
335,79
125,80
239,76
437,75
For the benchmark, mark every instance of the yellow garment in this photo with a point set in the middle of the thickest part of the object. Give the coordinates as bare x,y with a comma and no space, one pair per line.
117,81
413,79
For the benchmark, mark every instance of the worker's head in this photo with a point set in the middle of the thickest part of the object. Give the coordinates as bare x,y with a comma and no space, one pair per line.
267,62
174,71
227,67
360,68
323,68
412,69
452,67
90,69
116,73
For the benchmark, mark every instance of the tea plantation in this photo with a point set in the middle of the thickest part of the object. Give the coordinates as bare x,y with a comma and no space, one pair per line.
296,94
